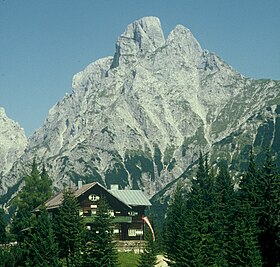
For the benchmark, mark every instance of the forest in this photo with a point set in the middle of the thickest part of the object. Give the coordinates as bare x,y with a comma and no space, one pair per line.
219,221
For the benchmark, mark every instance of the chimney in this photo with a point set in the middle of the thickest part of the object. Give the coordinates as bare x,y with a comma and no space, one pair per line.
114,187
80,184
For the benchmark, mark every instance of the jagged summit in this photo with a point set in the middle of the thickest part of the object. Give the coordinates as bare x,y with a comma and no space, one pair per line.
12,142
140,118
140,37
184,43
2,112
146,32
145,36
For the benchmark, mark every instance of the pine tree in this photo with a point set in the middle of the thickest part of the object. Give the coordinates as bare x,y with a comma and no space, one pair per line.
248,184
37,190
200,242
42,246
148,257
245,249
268,212
174,224
100,248
190,219
3,224
69,229
45,185
223,215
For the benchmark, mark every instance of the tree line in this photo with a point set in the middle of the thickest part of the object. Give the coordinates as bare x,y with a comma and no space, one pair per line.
62,239
213,223
216,224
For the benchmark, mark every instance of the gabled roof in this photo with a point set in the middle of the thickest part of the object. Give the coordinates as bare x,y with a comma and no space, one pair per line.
131,197
56,200
128,197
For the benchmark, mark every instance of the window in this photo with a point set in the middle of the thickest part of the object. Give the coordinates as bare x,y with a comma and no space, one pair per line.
135,232
116,231
131,232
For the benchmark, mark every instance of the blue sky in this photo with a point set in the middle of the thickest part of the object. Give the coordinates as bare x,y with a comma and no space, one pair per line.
44,43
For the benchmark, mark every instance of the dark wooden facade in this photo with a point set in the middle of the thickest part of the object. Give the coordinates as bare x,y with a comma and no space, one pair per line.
127,217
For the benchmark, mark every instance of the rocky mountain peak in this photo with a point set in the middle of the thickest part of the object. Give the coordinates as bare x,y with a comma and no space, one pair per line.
184,43
140,37
140,119
2,112
12,142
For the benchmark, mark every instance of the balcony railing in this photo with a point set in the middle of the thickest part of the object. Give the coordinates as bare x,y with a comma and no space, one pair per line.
117,219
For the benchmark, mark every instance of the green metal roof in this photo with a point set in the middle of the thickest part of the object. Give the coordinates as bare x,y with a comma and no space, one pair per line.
128,197
131,197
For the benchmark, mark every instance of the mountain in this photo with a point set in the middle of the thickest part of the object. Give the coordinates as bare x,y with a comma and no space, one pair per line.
140,117
12,142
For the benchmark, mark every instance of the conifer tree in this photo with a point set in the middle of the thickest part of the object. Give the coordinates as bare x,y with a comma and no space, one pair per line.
223,214
100,248
45,185
194,238
245,249
268,212
200,240
37,190
3,224
42,246
148,257
248,184
69,229
174,224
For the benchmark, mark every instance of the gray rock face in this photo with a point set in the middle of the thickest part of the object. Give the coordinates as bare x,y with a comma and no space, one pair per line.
12,142
139,118
141,37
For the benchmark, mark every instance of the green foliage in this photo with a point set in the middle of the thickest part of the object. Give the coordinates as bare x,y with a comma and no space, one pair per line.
42,249
3,234
223,215
213,225
245,250
174,223
100,249
37,190
69,229
199,235
149,256
268,212
11,256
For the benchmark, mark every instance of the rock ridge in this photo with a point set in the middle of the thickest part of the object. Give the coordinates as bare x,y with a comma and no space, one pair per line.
140,118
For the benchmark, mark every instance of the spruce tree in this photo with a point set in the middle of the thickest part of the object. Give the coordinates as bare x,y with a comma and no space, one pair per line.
223,215
245,249
193,242
45,185
174,224
248,184
268,212
42,246
200,244
3,224
36,191
149,256
69,229
100,248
